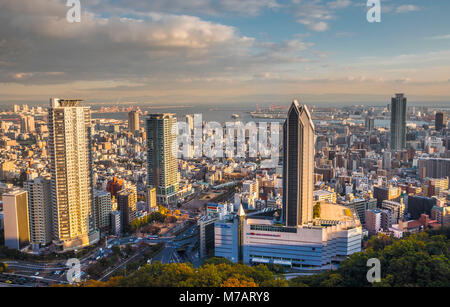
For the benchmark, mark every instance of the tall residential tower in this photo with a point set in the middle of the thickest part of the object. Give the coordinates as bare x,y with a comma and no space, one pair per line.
71,168
162,156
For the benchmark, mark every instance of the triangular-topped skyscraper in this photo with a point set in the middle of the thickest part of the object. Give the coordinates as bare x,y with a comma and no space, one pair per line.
298,166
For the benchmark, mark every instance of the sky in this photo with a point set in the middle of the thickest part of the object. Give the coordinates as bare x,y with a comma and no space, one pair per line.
224,51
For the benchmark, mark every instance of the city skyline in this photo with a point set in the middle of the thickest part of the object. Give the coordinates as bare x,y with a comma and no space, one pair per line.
224,144
244,51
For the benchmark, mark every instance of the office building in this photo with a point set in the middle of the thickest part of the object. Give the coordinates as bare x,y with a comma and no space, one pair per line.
162,157
15,215
382,193
440,121
133,121
27,124
398,122
298,166
40,211
71,168
126,204
369,123
332,237
292,238
434,167
418,205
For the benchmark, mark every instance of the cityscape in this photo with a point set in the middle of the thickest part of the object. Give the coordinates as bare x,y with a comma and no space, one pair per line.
158,191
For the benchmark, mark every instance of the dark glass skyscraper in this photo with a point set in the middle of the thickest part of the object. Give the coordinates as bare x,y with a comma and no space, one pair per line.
398,122
162,157
298,166
440,120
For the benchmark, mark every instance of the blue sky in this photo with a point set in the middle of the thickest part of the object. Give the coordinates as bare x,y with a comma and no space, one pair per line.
219,51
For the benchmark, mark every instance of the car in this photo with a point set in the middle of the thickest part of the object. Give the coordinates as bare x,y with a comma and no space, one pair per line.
36,274
9,282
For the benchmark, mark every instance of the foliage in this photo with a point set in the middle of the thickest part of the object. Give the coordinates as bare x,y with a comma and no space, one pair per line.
416,260
148,219
419,260
316,210
215,274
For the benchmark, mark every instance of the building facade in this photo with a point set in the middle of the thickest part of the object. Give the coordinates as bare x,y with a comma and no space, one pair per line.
162,157
71,169
15,215
398,122
40,211
298,166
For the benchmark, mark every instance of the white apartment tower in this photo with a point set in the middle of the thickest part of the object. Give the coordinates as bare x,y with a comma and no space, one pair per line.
71,168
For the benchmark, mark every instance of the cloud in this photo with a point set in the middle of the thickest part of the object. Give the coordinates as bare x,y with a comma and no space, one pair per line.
204,7
339,4
406,8
316,14
438,37
40,46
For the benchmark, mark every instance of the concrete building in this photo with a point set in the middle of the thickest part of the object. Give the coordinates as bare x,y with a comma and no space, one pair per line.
360,206
15,211
103,209
162,157
434,167
397,209
207,234
133,121
398,122
126,204
373,221
332,237
418,205
441,215
116,228
71,168
40,211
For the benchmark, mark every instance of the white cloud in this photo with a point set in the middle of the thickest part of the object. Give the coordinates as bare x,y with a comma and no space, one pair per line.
316,14
36,44
406,8
438,37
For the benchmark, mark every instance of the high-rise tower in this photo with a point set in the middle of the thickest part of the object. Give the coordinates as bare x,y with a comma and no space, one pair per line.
133,121
398,122
298,166
162,156
40,210
440,121
71,168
